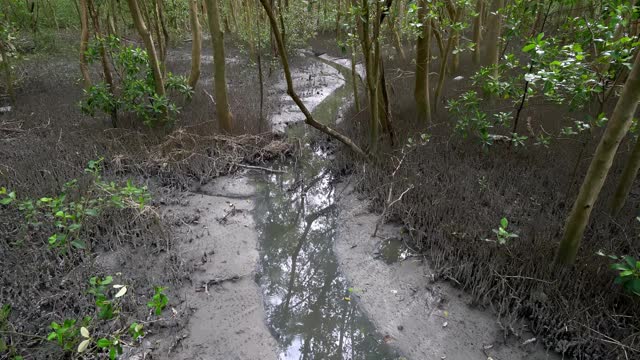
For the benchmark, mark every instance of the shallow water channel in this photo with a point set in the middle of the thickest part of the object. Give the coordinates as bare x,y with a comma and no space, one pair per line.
311,309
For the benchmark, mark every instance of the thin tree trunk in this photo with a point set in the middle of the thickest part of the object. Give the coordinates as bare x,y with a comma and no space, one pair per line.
225,119
477,31
626,180
108,78
165,31
154,21
443,65
291,92
617,128
6,66
423,55
148,43
196,44
397,42
354,78
84,43
114,18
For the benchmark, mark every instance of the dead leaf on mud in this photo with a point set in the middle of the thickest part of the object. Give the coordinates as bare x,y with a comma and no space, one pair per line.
388,339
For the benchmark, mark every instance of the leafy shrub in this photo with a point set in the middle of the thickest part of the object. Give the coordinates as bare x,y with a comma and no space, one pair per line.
135,85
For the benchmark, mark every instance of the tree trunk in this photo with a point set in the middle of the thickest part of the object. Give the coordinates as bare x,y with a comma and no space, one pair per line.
443,65
395,34
294,96
617,128
148,43
108,78
626,180
6,67
354,77
493,35
165,31
423,55
225,118
477,31
196,44
84,43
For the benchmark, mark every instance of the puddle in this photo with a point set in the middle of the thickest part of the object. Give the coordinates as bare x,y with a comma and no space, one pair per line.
392,250
311,309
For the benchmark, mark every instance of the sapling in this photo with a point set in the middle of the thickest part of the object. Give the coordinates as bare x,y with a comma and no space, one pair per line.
502,233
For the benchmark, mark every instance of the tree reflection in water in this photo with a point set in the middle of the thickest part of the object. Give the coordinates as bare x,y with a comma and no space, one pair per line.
306,298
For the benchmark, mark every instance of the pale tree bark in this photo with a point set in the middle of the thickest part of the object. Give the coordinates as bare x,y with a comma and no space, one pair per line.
494,32
617,128
84,43
225,119
196,43
113,19
477,31
423,60
626,180
144,33
294,96
354,77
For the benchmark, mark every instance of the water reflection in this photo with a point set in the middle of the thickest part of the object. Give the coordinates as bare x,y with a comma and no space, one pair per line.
308,303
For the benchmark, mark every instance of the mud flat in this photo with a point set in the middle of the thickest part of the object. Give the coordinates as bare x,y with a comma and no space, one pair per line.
424,319
219,241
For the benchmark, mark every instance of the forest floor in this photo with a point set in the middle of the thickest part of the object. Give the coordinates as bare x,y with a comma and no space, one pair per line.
209,240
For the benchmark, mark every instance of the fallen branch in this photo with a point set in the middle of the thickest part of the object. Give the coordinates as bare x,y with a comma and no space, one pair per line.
292,93
261,168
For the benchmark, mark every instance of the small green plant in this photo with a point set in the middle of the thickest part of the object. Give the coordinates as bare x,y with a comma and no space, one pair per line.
628,268
502,233
65,334
136,331
629,274
66,213
159,300
518,140
107,307
6,197
112,345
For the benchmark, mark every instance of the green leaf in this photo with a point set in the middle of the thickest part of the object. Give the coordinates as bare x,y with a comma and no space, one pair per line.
528,47
631,261
79,244
103,343
52,336
620,267
504,223
633,286
91,212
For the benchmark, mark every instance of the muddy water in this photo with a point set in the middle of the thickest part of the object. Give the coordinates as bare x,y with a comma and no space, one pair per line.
311,309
